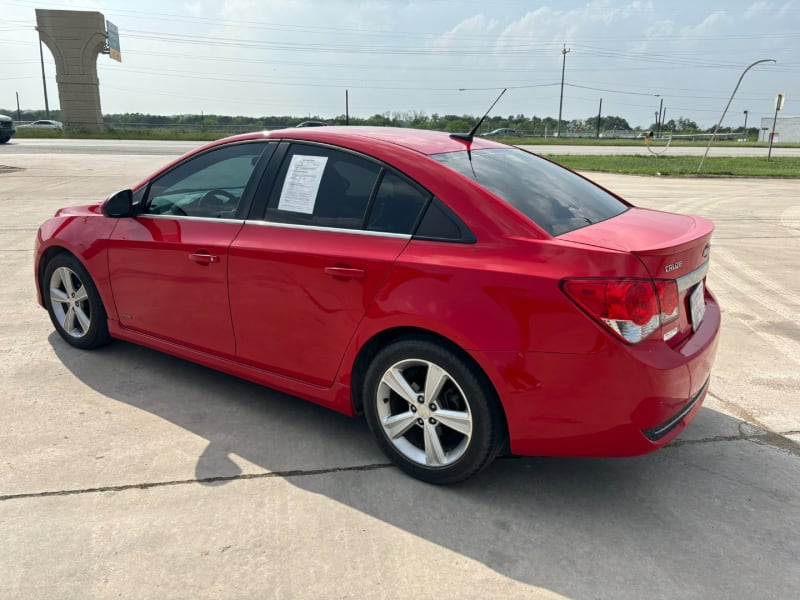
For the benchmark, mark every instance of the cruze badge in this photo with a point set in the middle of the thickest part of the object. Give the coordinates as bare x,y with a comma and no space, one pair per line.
673,266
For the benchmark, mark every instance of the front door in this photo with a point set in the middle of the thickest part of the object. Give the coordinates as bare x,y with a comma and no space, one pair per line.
169,265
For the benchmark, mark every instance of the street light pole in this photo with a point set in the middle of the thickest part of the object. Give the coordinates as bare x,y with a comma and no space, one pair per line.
716,129
564,52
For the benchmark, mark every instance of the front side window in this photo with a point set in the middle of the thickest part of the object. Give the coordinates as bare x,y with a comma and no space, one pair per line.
554,198
210,185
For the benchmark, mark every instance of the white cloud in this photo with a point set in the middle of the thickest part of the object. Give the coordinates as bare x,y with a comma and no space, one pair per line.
195,8
757,9
711,24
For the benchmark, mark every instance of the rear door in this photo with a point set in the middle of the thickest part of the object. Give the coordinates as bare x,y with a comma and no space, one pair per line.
302,277
169,265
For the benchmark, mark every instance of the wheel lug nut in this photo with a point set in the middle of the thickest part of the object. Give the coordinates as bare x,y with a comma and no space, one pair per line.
432,421
421,399
420,422
433,406
413,408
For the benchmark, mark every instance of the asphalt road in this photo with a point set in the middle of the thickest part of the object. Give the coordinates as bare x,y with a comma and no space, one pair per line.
124,472
157,147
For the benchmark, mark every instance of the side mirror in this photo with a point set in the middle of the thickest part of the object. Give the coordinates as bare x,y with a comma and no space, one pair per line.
120,205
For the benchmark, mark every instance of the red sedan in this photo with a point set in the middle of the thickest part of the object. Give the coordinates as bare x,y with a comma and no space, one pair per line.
465,296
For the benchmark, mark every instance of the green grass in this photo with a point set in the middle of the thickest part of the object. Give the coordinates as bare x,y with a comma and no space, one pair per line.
169,134
655,144
744,166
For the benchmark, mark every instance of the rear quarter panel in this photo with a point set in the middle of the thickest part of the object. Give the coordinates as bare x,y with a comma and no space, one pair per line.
492,298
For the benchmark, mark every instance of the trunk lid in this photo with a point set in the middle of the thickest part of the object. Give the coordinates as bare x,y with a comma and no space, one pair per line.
670,246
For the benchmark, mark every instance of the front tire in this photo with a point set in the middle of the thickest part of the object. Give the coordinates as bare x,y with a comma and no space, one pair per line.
73,303
432,412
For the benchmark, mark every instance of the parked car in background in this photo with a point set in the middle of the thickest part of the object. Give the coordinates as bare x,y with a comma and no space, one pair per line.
465,296
43,124
7,128
311,124
505,131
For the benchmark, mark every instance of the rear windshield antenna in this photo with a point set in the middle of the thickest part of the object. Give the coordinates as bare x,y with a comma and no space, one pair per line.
467,137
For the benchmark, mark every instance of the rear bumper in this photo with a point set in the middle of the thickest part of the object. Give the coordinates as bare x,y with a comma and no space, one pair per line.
654,434
622,401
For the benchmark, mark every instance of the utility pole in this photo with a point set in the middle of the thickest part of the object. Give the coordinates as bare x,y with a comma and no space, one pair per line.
778,106
658,118
44,83
347,107
599,113
745,125
19,113
564,53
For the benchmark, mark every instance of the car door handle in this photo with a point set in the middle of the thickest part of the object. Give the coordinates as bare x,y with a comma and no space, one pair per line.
346,272
204,258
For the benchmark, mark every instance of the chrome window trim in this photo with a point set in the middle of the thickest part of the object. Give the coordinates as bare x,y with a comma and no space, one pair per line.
191,218
691,279
402,236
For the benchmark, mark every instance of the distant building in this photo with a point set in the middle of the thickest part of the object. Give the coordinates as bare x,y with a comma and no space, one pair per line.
787,129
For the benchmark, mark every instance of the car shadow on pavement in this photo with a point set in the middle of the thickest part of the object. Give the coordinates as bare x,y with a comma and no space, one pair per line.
715,514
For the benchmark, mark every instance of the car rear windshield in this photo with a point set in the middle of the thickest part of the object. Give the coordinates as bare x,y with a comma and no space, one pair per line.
554,198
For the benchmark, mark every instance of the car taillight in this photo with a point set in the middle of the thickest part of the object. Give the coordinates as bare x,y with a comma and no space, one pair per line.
632,308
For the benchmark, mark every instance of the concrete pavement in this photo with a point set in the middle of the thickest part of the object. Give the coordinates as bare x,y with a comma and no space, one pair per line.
125,472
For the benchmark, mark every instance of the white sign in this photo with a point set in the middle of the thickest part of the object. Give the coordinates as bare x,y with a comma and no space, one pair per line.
780,100
299,193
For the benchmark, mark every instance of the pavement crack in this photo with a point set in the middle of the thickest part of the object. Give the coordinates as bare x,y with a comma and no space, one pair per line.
763,437
708,440
205,480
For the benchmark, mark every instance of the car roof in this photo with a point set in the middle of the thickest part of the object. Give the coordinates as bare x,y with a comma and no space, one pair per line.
420,140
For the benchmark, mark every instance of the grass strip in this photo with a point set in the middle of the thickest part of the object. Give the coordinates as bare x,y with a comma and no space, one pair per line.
722,166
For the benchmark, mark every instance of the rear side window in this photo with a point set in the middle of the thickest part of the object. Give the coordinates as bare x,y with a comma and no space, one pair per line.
554,198
323,187
397,205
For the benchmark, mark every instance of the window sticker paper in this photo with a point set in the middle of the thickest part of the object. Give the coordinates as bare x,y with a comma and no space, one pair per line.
299,193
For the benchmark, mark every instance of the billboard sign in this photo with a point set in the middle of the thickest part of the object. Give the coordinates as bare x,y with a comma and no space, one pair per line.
113,41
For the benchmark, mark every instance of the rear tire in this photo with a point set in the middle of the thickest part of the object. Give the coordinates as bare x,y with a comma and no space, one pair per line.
73,303
431,411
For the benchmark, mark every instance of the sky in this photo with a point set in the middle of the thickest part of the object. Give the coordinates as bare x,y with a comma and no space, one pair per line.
298,57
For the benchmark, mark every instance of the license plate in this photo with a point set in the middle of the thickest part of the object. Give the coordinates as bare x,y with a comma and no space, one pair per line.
697,305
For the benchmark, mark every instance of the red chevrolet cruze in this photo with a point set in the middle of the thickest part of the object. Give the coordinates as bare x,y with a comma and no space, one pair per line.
464,295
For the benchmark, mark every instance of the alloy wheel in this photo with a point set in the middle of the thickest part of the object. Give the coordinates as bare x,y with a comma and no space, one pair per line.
424,413
70,304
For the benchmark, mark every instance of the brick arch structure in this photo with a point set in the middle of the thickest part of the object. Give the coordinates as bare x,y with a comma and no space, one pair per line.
75,39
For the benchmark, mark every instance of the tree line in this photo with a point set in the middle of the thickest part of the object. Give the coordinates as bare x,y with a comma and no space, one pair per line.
525,125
